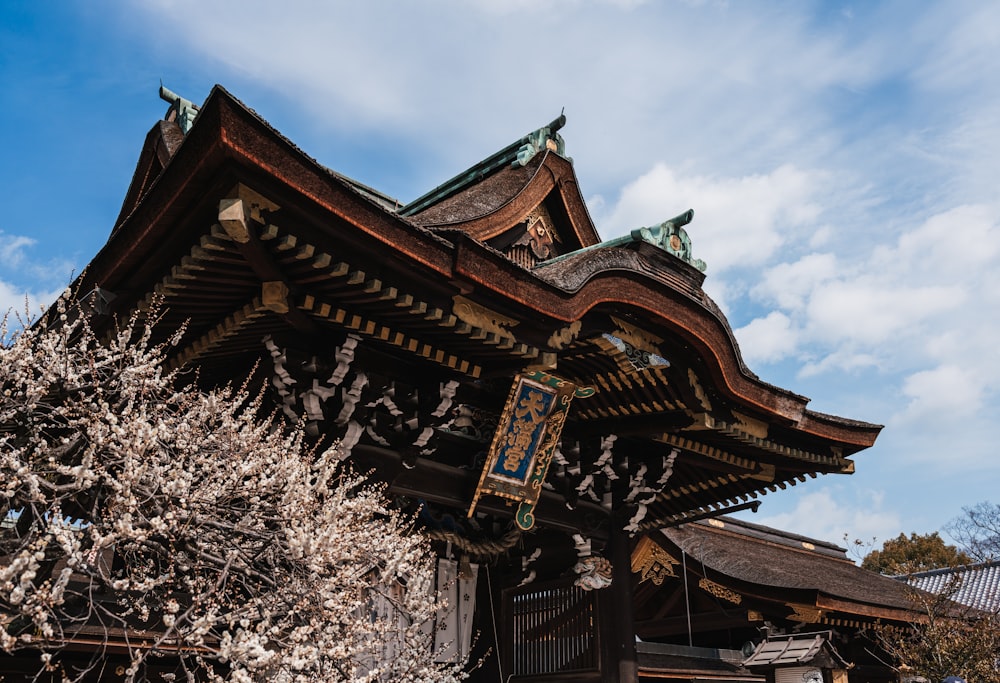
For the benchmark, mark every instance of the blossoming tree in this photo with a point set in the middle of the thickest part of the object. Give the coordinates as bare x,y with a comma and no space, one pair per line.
185,528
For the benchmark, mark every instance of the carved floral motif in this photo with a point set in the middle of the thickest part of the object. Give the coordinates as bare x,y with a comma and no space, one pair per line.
720,591
805,614
479,316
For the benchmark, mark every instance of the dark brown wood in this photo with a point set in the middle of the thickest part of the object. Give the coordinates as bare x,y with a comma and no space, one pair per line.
617,632
446,485
701,621
552,630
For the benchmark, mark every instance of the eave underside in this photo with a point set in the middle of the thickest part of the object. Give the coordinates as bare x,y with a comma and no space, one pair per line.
280,284
243,239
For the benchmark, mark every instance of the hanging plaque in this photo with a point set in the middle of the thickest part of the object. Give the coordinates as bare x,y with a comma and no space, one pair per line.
525,440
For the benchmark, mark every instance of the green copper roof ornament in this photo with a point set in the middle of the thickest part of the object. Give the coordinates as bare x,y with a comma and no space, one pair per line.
545,137
514,155
670,236
181,110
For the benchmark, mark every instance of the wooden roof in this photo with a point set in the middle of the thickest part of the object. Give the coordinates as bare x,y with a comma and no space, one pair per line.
771,573
246,237
798,648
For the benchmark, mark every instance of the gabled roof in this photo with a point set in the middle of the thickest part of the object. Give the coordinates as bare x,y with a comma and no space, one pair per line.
161,143
516,155
976,585
788,568
500,192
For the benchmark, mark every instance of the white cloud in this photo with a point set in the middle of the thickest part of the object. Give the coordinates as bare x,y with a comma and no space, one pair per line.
945,394
26,279
870,311
12,249
738,221
910,302
14,299
767,339
959,47
789,285
949,245
840,360
833,511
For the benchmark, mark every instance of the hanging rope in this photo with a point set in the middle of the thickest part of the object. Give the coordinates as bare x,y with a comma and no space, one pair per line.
484,548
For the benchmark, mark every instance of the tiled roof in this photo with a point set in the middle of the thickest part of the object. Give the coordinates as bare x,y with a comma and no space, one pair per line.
974,585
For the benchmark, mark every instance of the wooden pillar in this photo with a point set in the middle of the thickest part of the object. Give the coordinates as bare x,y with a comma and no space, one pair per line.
617,629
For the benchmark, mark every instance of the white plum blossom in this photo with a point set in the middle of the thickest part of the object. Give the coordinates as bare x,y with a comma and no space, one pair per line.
132,501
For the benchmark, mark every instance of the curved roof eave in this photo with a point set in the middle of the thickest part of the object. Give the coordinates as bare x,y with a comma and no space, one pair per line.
228,132
696,320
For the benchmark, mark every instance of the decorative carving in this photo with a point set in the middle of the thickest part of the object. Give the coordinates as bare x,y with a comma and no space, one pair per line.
652,562
539,234
594,573
635,349
537,240
639,486
335,397
805,614
479,316
562,337
474,423
720,591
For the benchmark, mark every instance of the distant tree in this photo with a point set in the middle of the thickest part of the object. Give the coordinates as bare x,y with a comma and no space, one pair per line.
977,530
140,513
916,553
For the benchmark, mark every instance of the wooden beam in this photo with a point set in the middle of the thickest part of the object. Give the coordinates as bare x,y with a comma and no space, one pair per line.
236,216
447,485
703,621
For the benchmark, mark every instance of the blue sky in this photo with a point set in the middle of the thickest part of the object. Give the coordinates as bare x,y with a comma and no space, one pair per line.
841,158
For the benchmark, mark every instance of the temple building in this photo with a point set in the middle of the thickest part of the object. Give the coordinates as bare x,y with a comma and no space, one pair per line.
561,410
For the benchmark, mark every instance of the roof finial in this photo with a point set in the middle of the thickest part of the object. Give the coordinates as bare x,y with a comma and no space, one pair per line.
181,110
541,139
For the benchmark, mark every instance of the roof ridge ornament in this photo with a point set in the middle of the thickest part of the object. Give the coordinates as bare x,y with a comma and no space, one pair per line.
670,236
543,138
182,111
515,155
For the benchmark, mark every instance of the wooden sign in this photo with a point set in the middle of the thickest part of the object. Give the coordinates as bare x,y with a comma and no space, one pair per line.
525,440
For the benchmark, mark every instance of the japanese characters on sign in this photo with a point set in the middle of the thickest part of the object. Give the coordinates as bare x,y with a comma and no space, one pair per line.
525,440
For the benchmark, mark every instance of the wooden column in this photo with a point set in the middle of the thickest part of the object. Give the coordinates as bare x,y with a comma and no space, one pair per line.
616,616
